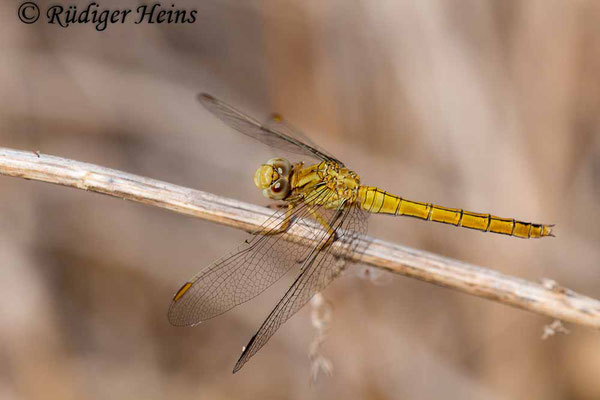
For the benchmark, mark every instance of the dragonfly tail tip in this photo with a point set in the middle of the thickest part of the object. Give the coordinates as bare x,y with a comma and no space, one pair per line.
548,230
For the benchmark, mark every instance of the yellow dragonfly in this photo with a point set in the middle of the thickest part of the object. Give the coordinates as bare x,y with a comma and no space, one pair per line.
325,192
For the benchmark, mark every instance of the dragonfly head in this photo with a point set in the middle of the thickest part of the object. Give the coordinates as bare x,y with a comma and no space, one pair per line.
273,178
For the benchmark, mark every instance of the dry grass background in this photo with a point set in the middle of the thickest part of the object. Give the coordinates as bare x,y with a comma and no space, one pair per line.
487,105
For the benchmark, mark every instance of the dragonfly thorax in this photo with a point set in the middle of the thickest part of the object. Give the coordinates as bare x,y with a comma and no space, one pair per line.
343,182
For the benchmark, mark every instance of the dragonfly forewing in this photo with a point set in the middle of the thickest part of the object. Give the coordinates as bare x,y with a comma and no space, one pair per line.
322,266
249,270
277,123
251,127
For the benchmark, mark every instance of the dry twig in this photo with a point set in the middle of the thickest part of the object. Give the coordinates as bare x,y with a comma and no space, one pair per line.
564,305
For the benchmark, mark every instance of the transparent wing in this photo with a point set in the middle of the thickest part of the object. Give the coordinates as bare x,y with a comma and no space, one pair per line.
277,123
319,269
246,272
250,127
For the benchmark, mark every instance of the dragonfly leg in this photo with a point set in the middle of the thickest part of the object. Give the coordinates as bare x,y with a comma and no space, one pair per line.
276,206
287,219
331,234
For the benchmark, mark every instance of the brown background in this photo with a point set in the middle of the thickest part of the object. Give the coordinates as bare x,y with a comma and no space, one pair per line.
487,105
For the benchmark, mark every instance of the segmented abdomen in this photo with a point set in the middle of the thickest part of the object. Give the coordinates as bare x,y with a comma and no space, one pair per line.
377,201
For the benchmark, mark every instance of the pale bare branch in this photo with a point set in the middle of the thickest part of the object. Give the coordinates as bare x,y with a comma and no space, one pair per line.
561,303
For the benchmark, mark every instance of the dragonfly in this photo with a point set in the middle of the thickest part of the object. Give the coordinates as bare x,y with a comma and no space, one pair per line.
325,192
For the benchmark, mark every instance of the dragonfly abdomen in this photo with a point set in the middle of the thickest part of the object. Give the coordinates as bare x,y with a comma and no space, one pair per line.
377,201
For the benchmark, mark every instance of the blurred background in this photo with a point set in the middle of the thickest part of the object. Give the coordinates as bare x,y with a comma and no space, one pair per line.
492,106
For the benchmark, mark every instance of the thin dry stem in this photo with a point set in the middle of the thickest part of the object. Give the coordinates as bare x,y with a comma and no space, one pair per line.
561,304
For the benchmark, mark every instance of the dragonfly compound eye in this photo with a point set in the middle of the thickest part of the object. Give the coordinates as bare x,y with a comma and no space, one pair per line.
281,165
279,190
